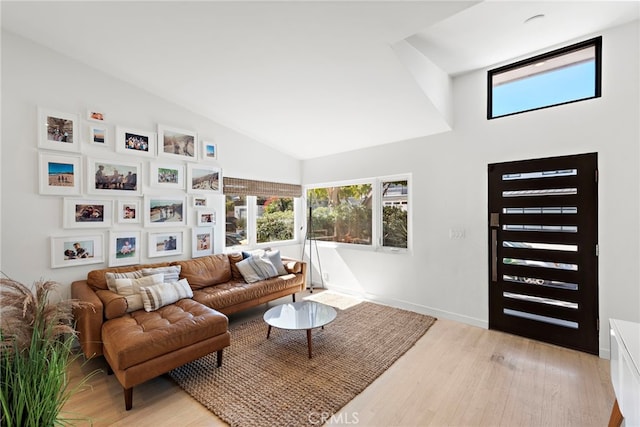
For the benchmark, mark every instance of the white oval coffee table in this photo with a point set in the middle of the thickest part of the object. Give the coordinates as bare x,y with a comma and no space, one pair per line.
298,316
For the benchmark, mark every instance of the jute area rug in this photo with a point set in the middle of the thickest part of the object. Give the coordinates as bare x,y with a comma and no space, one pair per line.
274,383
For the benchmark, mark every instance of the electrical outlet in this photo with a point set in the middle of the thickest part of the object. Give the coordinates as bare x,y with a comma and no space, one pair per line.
456,233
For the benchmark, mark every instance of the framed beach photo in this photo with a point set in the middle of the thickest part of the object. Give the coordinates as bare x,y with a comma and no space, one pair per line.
59,174
163,175
201,241
98,134
70,251
58,130
205,217
204,179
124,248
208,151
128,211
164,243
113,177
164,211
84,213
177,143
95,115
136,142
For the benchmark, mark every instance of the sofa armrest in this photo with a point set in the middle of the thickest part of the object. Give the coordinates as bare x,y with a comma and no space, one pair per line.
296,266
88,319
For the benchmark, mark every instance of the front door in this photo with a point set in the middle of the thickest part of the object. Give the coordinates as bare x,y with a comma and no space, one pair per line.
543,250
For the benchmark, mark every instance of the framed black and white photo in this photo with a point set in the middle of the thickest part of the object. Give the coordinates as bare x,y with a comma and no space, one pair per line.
114,177
177,143
58,130
86,213
124,248
164,211
133,141
165,175
205,217
204,179
164,243
128,211
208,151
59,174
70,251
201,241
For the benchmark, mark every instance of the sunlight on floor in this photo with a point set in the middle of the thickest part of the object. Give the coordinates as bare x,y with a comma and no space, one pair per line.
335,299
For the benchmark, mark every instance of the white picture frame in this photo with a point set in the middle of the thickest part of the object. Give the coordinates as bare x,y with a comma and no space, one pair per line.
205,217
71,251
124,247
58,130
204,179
114,177
128,211
59,174
95,115
135,141
177,143
165,243
166,175
201,241
87,213
165,211
208,151
98,134
199,201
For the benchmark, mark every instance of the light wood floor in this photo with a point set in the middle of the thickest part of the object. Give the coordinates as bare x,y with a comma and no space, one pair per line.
455,375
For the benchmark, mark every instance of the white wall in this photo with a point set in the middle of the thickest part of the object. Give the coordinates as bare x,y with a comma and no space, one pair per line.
33,76
449,278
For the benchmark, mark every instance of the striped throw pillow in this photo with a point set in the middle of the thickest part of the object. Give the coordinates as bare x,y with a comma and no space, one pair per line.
156,296
171,273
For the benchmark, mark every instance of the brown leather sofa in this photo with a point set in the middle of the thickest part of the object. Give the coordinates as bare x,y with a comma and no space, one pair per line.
141,345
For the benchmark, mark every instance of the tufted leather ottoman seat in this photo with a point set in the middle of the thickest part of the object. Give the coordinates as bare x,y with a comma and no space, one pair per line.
142,345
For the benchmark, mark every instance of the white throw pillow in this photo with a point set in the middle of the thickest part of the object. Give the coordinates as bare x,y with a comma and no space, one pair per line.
256,268
111,278
130,289
171,273
156,296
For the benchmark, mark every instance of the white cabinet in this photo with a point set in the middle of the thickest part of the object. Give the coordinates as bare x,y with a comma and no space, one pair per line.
625,371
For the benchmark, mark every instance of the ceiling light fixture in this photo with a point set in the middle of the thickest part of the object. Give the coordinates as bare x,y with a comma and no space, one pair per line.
534,17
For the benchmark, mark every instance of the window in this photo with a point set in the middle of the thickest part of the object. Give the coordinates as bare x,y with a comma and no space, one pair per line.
368,214
559,77
259,212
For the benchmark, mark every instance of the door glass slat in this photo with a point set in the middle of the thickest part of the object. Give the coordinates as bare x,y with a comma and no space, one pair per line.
546,319
539,174
542,210
538,193
537,227
540,300
544,264
540,282
543,246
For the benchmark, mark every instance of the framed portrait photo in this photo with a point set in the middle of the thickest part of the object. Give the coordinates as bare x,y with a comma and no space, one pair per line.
136,142
177,143
164,211
205,217
58,130
59,174
98,134
84,213
128,212
208,151
124,248
163,175
113,177
204,179
201,241
69,251
165,243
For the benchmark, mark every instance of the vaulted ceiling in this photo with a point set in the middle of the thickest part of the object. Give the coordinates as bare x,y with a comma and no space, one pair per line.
310,78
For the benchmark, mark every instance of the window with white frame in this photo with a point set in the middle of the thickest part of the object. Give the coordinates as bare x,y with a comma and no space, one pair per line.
259,212
372,213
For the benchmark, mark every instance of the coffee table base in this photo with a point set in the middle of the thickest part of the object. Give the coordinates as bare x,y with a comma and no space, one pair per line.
309,345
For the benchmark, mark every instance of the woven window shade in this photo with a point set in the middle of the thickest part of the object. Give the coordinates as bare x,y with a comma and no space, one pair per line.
248,187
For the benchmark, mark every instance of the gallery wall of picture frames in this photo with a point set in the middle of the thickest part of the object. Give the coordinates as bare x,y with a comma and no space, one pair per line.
105,192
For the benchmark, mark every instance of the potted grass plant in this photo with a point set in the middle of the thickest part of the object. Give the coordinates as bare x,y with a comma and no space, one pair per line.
37,341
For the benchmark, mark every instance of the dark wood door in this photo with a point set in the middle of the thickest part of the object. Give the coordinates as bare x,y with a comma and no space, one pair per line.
543,250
